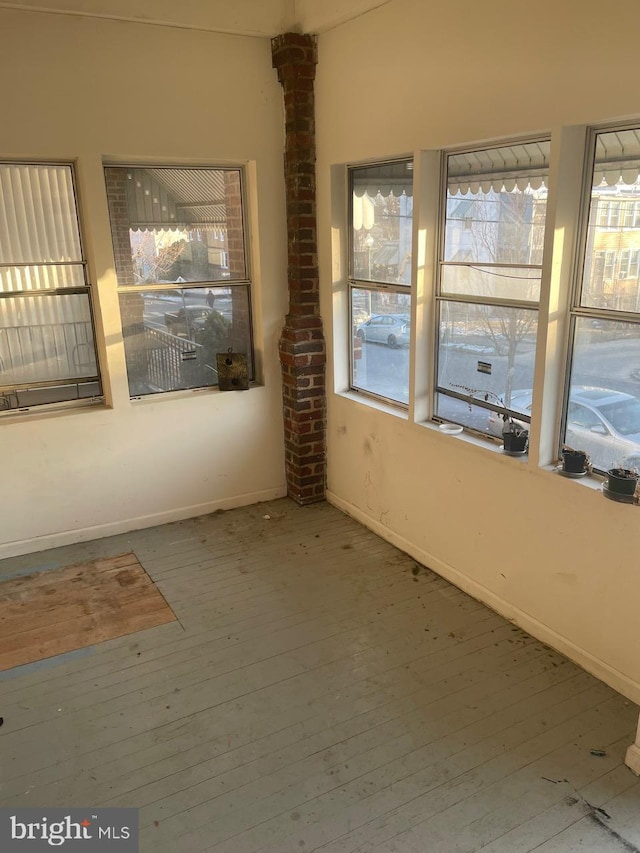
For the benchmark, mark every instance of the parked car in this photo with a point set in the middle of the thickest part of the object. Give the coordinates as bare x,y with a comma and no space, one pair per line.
603,422
391,329
187,321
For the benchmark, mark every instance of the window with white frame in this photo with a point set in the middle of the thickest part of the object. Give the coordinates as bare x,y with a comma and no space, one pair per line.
179,245
47,343
490,267
602,405
381,209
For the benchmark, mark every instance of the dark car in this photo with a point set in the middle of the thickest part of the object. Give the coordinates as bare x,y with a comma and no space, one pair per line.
187,321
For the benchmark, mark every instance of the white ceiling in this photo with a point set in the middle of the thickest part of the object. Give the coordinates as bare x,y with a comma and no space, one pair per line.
261,18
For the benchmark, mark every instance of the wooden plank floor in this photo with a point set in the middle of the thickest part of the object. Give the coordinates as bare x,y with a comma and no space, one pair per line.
319,691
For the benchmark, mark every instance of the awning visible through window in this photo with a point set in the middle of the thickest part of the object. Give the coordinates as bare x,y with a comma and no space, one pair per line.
617,158
385,179
523,166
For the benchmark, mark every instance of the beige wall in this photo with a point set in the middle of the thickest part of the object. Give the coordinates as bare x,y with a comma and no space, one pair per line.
83,89
246,17
552,554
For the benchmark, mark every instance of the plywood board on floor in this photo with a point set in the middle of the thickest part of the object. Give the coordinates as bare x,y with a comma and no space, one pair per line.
53,612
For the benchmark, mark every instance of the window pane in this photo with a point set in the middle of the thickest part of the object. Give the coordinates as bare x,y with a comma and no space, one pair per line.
176,225
467,414
497,226
381,333
493,248
41,277
20,398
382,209
487,350
38,220
603,414
610,278
495,214
171,337
38,225
47,347
45,339
503,283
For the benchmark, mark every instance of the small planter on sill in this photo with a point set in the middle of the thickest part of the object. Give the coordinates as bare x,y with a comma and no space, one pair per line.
515,439
515,436
575,462
622,482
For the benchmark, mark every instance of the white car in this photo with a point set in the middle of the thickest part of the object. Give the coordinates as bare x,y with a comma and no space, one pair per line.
603,422
391,329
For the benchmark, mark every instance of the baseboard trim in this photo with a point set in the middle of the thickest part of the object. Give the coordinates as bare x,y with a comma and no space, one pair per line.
632,758
113,528
599,668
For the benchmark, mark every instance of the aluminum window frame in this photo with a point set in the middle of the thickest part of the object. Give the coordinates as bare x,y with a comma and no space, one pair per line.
10,390
441,297
245,283
576,310
371,285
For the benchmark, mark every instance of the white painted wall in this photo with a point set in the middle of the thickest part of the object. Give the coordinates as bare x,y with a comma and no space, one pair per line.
550,553
83,89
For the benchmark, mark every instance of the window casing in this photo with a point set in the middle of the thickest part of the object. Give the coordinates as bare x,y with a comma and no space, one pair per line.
47,341
488,288
601,407
179,244
380,252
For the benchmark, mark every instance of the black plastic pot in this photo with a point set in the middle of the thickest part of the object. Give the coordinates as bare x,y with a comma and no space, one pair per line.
574,461
622,481
515,442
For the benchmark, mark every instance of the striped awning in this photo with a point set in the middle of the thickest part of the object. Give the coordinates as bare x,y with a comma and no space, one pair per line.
166,198
617,158
394,178
523,166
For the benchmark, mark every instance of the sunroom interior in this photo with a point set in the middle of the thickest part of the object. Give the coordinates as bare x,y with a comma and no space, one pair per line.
404,90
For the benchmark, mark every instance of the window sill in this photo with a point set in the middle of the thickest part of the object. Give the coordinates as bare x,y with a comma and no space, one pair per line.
54,410
488,443
187,394
594,482
374,403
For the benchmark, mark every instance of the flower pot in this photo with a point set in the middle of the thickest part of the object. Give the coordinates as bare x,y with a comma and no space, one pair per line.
622,481
574,461
515,442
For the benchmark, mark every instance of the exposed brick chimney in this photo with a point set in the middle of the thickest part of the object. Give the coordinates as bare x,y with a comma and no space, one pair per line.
302,347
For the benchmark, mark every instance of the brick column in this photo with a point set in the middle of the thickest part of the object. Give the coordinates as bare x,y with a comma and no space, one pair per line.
302,347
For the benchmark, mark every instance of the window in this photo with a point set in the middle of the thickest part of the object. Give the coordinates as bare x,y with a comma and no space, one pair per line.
603,409
47,344
380,279
494,219
178,239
